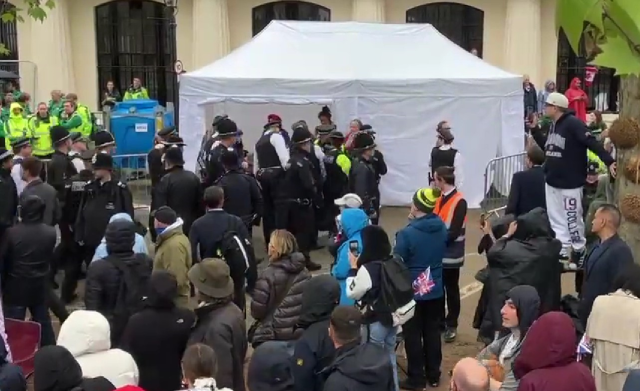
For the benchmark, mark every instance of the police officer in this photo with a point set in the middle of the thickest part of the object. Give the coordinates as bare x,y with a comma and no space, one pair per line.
242,195
8,193
380,167
444,155
227,131
102,198
78,147
324,214
299,190
154,157
271,157
362,177
60,167
68,254
179,189
104,142
209,138
338,165
21,150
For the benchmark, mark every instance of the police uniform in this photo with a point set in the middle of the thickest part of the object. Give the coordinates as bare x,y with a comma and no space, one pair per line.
68,254
8,194
362,177
242,195
338,166
299,189
76,159
226,128
179,189
206,145
154,157
100,201
444,155
270,160
60,167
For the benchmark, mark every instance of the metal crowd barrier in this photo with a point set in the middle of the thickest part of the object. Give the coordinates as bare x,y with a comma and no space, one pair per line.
497,179
133,171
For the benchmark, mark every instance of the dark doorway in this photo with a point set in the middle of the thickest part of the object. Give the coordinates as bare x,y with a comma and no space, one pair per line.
288,10
135,39
603,92
9,38
460,23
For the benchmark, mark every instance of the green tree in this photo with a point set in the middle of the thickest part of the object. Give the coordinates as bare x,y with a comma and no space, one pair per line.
35,9
611,33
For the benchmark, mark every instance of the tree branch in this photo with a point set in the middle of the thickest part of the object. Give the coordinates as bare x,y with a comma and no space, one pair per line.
634,46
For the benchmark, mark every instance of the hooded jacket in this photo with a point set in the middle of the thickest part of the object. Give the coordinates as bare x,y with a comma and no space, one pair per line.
633,381
421,245
87,336
566,147
157,336
52,211
139,247
278,320
573,94
103,277
315,350
353,221
547,359
527,303
55,369
28,251
173,254
359,367
529,257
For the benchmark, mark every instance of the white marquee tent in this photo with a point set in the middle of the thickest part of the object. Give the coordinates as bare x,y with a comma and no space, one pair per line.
402,79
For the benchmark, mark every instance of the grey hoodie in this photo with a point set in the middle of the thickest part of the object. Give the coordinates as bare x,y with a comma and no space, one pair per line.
543,94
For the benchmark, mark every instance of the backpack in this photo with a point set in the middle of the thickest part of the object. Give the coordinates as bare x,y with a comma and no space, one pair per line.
238,253
132,292
396,291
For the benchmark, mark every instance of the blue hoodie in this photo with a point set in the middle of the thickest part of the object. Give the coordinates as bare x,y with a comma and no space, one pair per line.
140,247
421,244
353,221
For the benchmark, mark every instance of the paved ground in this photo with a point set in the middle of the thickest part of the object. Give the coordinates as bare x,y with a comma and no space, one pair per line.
393,219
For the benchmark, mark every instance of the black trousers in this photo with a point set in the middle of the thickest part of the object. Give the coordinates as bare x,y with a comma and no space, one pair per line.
274,214
451,282
300,222
56,305
423,344
66,255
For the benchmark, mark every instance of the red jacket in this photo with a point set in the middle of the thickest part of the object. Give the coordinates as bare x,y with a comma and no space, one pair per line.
573,94
547,359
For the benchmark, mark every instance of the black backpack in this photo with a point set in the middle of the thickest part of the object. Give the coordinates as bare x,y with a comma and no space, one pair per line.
132,292
396,286
237,252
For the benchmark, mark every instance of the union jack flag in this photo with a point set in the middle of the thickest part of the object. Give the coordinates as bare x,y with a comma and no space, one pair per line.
584,347
424,283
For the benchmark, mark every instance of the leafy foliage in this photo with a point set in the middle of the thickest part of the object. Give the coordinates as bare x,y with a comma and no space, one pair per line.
16,12
610,30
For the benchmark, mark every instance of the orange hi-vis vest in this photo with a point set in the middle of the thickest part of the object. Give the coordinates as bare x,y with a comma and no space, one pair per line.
454,254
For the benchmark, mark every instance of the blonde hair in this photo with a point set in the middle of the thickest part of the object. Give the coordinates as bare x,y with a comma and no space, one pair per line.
282,242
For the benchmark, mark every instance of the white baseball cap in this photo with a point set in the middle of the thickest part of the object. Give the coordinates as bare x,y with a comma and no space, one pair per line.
350,200
557,99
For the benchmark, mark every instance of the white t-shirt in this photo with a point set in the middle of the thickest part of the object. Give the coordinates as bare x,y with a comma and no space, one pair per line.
508,347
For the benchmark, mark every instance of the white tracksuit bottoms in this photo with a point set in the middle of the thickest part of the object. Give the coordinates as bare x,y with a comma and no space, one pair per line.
564,207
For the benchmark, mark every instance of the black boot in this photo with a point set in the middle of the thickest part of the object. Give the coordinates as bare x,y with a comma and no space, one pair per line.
311,266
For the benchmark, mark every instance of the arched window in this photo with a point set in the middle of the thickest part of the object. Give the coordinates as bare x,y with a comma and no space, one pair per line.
288,10
460,23
603,92
134,39
9,38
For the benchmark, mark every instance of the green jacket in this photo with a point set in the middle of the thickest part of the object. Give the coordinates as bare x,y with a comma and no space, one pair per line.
173,254
55,108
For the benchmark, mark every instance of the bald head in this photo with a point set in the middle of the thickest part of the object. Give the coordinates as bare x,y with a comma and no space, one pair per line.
470,375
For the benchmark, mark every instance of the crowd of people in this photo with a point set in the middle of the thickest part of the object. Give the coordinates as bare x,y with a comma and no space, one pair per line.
176,317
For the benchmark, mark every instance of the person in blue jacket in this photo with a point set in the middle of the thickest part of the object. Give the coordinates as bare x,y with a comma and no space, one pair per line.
422,244
353,221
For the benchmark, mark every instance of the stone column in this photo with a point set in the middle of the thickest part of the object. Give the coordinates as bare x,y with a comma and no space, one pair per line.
522,42
51,50
211,36
368,11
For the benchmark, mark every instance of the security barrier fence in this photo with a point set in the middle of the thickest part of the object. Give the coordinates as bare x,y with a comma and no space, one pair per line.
497,179
132,170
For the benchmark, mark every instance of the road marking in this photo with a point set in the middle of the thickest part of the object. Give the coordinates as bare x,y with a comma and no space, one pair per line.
473,288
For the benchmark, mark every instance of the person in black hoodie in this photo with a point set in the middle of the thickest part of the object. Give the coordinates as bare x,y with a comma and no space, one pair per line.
157,336
105,277
26,257
55,369
314,350
565,171
357,366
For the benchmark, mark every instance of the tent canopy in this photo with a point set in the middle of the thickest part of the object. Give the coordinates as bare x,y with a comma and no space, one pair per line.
402,79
